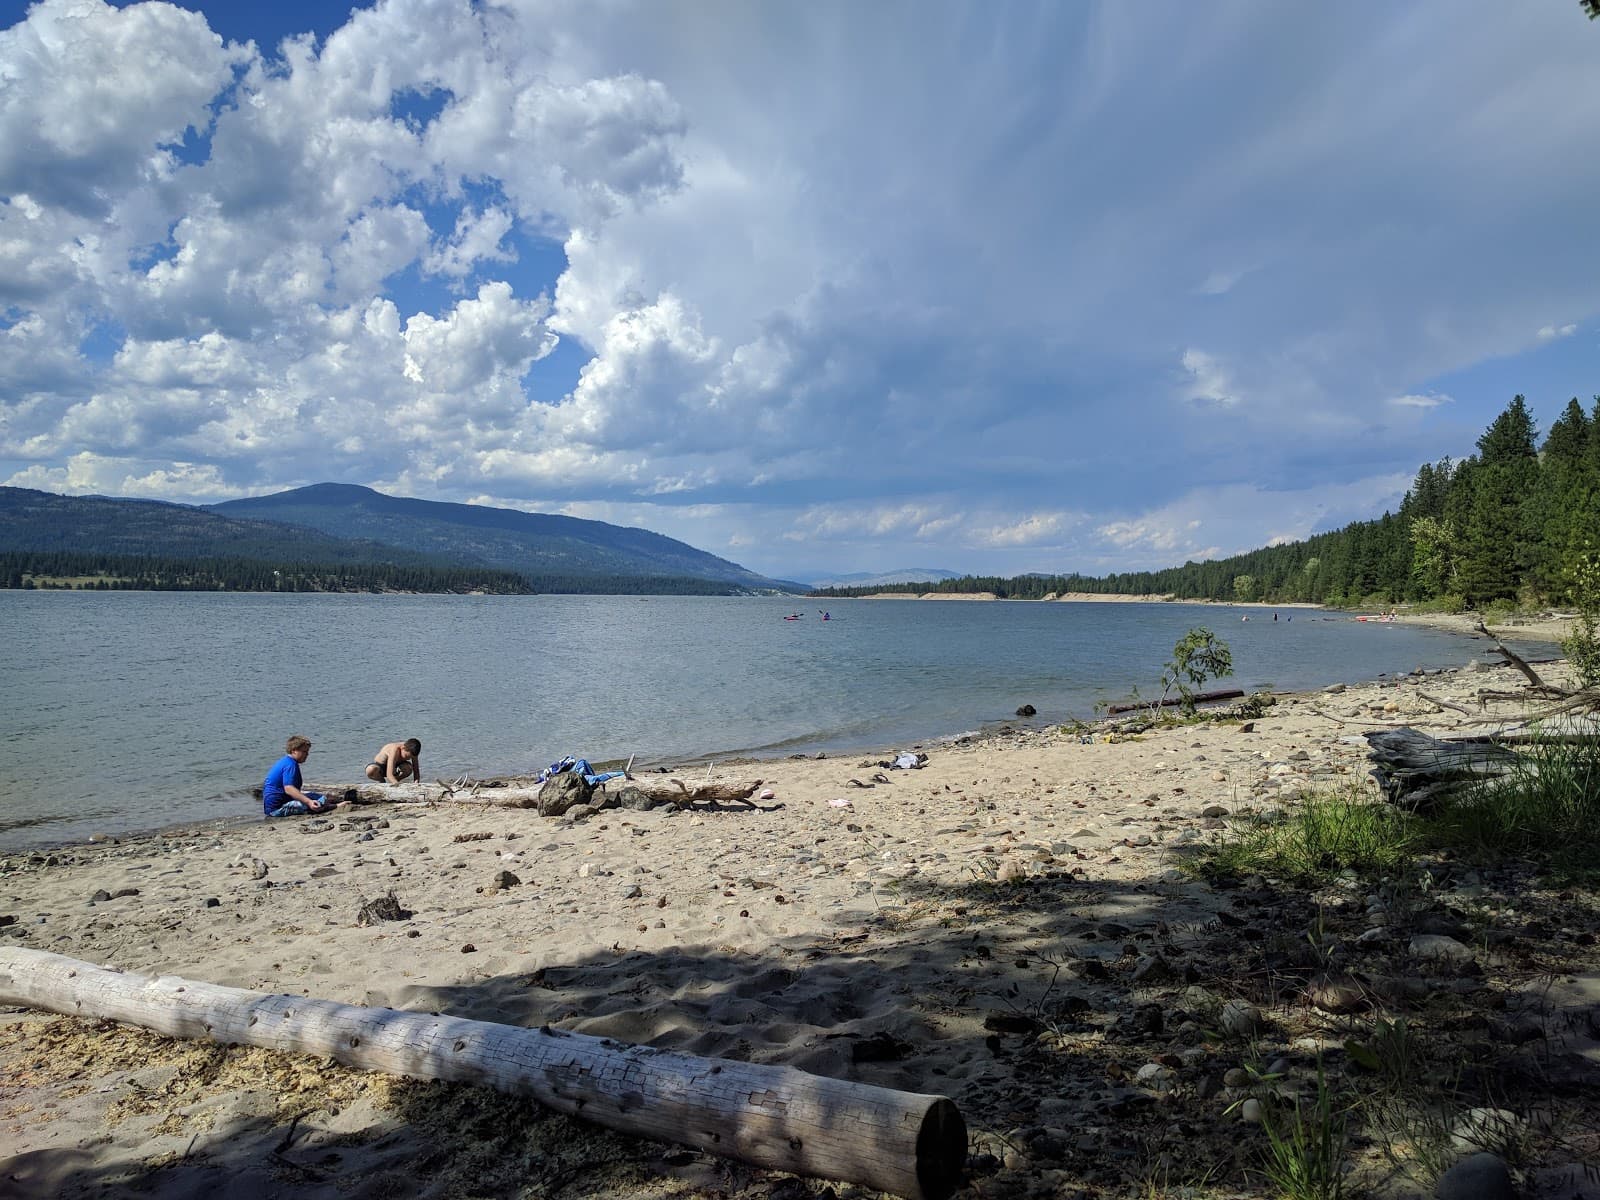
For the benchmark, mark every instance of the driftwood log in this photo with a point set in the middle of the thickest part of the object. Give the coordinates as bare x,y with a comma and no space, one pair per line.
1417,771
706,793
495,794
777,1118
1198,698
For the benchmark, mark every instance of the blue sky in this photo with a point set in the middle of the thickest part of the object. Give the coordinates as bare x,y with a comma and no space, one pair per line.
820,288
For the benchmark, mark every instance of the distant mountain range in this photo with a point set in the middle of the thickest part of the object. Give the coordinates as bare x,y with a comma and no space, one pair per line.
868,579
345,524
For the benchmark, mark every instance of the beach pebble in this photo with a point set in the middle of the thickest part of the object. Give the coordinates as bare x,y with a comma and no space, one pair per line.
1240,1019
258,869
99,897
1011,871
1251,1112
1153,969
1488,1129
1338,997
634,892
211,902
1439,948
505,879
1213,811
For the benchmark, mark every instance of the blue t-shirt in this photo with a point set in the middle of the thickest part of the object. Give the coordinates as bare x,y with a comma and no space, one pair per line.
284,772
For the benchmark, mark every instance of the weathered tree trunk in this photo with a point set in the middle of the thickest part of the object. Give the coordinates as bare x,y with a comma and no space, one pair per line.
409,792
1416,771
1171,701
777,1118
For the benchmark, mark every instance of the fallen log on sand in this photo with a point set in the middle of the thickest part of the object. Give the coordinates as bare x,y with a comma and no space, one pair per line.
1197,698
777,1118
1416,771
494,794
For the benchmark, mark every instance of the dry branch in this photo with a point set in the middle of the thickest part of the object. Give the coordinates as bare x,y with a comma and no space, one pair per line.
1516,661
1442,703
777,1118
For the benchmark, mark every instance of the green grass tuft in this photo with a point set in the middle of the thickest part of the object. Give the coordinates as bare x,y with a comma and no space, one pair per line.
1547,809
1314,841
1306,1145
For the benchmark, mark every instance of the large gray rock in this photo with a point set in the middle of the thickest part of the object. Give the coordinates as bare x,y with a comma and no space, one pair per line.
1478,1177
562,792
638,798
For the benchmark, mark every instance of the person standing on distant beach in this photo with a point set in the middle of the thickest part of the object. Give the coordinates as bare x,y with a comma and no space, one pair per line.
396,762
281,794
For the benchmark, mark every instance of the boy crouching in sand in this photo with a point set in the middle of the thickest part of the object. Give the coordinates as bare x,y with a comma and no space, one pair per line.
281,794
396,762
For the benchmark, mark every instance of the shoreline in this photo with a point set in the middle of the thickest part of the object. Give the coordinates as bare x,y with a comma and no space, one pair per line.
1548,631
893,927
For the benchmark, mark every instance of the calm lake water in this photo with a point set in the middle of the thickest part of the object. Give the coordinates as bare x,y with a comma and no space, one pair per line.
137,710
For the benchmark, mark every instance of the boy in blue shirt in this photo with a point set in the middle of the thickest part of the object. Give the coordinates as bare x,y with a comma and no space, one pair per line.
281,795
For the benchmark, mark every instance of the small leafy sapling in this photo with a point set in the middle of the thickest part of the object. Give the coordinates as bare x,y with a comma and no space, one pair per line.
1199,655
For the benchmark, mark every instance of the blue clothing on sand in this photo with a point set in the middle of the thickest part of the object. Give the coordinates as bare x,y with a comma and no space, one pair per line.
578,766
273,800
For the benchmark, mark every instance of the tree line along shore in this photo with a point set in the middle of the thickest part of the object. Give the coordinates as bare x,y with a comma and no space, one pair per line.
1517,523
73,571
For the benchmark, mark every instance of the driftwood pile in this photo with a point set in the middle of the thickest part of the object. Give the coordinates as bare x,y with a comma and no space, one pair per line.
560,794
1417,771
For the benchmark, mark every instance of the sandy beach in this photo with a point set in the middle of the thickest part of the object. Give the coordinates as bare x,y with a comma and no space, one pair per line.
1006,926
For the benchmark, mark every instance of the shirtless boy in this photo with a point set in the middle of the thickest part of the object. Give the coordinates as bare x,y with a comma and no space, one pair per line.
396,762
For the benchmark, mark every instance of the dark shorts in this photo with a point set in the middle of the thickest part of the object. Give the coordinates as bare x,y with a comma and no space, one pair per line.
401,770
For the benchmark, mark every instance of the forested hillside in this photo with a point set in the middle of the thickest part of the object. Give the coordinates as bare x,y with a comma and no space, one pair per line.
47,540
537,545
1518,521
45,569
